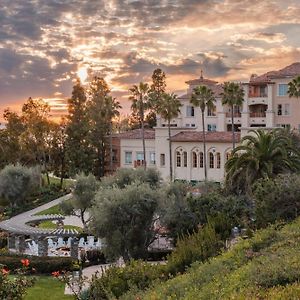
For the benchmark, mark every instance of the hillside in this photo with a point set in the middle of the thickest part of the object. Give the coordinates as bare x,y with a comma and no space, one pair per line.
266,266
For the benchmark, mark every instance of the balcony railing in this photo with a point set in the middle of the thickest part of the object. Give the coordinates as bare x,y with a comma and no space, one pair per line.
257,95
257,114
235,115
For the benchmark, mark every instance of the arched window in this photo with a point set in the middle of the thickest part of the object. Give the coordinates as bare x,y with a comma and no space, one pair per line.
201,159
218,160
178,159
185,159
228,155
194,160
211,160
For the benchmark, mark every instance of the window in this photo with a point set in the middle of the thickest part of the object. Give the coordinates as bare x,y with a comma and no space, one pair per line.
194,160
152,158
211,112
211,160
286,109
178,159
287,126
228,155
190,111
211,127
282,89
162,160
218,160
193,125
185,159
128,157
140,156
201,159
114,155
279,109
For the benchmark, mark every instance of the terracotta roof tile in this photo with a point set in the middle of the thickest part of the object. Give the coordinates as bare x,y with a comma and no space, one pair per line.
136,134
211,136
289,71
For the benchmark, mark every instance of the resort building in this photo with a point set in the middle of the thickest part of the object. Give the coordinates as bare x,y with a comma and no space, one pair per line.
266,105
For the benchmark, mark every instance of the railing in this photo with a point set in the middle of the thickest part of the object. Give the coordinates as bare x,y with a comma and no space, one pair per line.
235,115
257,95
257,114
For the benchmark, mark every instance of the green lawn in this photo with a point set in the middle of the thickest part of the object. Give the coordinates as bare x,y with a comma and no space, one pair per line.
54,210
53,180
51,225
47,288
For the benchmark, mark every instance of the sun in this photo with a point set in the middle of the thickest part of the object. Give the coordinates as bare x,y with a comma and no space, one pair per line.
82,73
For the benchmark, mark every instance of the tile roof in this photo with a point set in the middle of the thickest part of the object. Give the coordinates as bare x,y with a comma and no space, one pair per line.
217,90
211,136
201,81
289,71
136,134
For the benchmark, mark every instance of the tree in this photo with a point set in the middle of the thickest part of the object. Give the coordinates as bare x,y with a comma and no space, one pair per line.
125,218
282,192
99,122
16,184
83,197
79,154
157,89
294,87
112,107
233,95
261,154
169,108
140,104
203,97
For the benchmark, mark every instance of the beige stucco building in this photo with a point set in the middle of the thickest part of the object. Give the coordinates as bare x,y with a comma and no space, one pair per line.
266,104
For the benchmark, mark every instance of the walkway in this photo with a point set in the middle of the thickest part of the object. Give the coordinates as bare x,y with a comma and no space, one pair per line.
17,224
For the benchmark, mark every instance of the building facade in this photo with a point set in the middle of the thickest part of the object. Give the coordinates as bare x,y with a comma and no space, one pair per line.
266,105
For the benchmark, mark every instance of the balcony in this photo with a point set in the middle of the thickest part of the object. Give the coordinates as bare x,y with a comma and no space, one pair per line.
257,95
235,115
258,114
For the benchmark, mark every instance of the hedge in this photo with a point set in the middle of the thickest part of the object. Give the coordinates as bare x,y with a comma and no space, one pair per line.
41,265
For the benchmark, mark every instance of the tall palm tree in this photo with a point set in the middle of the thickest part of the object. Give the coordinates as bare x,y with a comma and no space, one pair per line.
203,97
112,107
262,154
140,104
232,96
294,87
169,108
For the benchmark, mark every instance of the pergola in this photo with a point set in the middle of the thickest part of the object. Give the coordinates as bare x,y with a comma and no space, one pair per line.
18,229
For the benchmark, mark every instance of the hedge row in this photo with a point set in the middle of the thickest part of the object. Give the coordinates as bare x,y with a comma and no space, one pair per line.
41,265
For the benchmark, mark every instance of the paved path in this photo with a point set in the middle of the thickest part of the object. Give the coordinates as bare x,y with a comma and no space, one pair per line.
17,224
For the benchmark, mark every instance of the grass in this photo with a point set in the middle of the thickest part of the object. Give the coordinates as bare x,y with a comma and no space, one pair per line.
266,266
54,210
51,225
46,288
54,180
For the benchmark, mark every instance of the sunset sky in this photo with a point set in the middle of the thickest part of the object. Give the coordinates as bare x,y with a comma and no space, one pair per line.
45,44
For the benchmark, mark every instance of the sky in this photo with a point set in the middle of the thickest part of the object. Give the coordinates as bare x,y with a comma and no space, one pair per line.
45,44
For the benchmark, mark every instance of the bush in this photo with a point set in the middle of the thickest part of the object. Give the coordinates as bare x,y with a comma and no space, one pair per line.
95,257
117,281
42,265
198,246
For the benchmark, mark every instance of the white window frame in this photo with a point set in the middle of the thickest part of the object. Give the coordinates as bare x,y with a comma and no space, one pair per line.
127,162
278,90
151,160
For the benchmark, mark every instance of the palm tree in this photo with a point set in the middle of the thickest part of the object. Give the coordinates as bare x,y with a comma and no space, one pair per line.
169,108
232,96
140,104
294,87
262,154
112,107
203,97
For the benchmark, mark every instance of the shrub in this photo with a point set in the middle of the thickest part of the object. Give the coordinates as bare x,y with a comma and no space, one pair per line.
117,281
42,265
282,192
95,257
198,246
